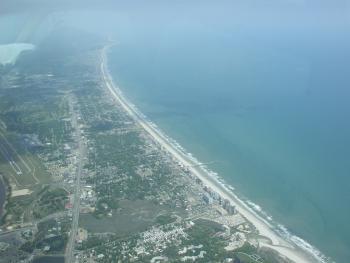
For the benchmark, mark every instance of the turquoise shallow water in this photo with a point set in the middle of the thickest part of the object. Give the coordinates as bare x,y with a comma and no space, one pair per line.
272,116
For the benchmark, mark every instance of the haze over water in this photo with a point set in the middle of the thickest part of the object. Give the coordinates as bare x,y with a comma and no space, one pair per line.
269,108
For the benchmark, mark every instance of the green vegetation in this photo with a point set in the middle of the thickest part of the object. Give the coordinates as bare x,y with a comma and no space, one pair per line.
34,125
119,157
91,242
51,237
105,206
50,201
15,208
204,234
165,219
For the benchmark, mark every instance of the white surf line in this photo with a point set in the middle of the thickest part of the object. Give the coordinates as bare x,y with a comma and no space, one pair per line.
289,250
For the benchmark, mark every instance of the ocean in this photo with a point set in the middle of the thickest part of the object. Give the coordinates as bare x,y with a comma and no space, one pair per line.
268,113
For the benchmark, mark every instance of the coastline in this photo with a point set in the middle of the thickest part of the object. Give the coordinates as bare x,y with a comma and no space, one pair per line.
276,242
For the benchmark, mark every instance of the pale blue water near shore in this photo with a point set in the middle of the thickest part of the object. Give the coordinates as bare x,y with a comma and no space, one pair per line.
272,115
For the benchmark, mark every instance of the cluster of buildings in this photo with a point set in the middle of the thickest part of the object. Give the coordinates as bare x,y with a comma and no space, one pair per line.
158,235
211,197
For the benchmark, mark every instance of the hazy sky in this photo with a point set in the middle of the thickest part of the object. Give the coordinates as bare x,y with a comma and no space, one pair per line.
335,9
260,16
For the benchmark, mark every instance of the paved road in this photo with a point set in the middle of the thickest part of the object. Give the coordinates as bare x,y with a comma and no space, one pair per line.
76,198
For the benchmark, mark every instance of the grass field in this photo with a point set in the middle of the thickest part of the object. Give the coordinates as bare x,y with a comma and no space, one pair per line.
21,167
133,217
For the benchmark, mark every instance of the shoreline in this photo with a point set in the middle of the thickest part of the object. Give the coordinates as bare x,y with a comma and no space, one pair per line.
286,248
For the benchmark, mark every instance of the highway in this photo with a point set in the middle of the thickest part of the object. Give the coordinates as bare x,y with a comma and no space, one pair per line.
69,255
